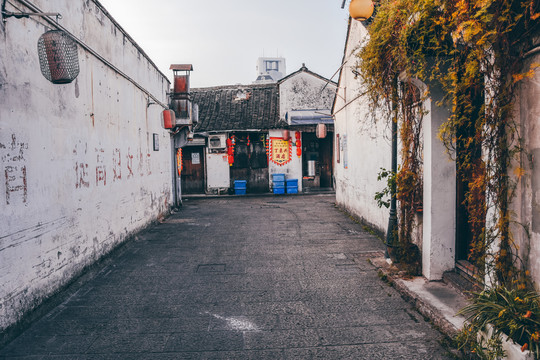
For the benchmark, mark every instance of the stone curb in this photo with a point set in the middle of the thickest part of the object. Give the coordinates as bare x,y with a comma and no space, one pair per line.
424,307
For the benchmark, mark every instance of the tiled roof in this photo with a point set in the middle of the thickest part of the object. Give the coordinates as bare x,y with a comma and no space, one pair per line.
237,107
184,67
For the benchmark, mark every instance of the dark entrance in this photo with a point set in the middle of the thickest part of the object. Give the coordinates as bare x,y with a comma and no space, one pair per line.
469,227
193,170
250,162
317,160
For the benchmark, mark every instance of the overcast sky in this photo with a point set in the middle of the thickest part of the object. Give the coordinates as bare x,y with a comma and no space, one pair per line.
223,39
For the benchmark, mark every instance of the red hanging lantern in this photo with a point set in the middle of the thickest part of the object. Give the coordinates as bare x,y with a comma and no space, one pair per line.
230,150
179,161
167,119
298,144
285,134
267,151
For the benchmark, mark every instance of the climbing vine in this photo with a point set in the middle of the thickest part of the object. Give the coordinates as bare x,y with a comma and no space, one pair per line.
472,50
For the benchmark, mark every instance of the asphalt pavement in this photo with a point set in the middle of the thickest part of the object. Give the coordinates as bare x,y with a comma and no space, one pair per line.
281,277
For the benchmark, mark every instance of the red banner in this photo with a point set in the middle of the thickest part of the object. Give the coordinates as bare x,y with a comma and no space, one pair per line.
280,151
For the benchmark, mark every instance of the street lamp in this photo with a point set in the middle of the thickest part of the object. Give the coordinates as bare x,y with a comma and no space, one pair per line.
361,10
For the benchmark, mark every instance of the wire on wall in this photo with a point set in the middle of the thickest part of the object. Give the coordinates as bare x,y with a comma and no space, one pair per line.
86,47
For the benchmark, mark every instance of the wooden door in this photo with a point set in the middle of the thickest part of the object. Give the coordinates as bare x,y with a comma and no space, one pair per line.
193,170
325,160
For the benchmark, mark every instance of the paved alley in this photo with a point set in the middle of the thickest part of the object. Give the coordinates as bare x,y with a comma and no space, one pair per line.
284,277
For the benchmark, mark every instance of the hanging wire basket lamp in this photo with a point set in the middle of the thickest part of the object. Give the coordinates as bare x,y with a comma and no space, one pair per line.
58,57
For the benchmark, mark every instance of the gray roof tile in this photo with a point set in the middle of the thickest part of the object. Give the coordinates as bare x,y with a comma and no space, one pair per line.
237,107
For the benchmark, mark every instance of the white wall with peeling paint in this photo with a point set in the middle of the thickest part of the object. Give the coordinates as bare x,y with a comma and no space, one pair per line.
78,171
526,171
304,90
363,138
361,141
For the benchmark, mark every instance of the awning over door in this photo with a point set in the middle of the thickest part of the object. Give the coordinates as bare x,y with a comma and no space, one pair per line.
309,117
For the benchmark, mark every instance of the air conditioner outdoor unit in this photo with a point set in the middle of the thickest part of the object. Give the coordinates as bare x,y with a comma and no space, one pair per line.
217,141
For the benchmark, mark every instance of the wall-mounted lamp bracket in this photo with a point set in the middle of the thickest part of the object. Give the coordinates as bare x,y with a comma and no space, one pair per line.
19,15
148,103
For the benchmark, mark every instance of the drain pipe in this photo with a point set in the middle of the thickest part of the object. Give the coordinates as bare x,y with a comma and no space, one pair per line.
391,232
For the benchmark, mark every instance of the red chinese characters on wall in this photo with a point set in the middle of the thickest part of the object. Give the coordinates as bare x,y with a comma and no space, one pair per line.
13,158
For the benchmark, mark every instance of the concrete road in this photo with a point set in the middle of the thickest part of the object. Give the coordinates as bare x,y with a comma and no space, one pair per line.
284,277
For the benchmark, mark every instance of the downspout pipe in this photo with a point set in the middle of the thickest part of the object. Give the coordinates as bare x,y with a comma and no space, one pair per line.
391,232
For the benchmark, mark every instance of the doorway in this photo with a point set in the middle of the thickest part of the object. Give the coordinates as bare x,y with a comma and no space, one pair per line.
193,170
250,162
317,161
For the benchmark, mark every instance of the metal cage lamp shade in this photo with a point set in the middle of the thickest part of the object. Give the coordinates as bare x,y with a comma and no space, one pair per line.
58,57
361,10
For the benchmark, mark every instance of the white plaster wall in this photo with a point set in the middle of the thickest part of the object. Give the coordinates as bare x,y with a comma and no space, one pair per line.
78,169
439,193
304,91
526,206
368,146
292,170
218,171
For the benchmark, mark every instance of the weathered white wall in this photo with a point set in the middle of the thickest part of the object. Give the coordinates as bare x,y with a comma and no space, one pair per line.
526,206
217,171
367,147
79,173
439,192
304,91
292,170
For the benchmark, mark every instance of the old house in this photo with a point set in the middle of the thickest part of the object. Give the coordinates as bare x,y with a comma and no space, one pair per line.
305,101
442,231
250,132
236,124
85,161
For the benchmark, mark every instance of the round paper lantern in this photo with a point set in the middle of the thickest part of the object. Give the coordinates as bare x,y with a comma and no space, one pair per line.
361,10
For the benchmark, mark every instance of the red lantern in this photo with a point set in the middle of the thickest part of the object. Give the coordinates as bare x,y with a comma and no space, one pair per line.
298,144
285,135
267,151
230,150
179,161
167,119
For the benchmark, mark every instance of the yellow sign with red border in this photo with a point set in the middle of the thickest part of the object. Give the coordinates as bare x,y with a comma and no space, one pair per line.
280,151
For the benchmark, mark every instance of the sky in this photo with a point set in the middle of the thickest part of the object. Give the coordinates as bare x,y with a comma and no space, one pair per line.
223,39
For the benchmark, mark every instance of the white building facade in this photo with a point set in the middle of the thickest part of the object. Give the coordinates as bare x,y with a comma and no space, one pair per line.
363,147
85,164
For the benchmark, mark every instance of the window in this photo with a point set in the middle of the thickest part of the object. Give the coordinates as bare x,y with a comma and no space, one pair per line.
271,65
